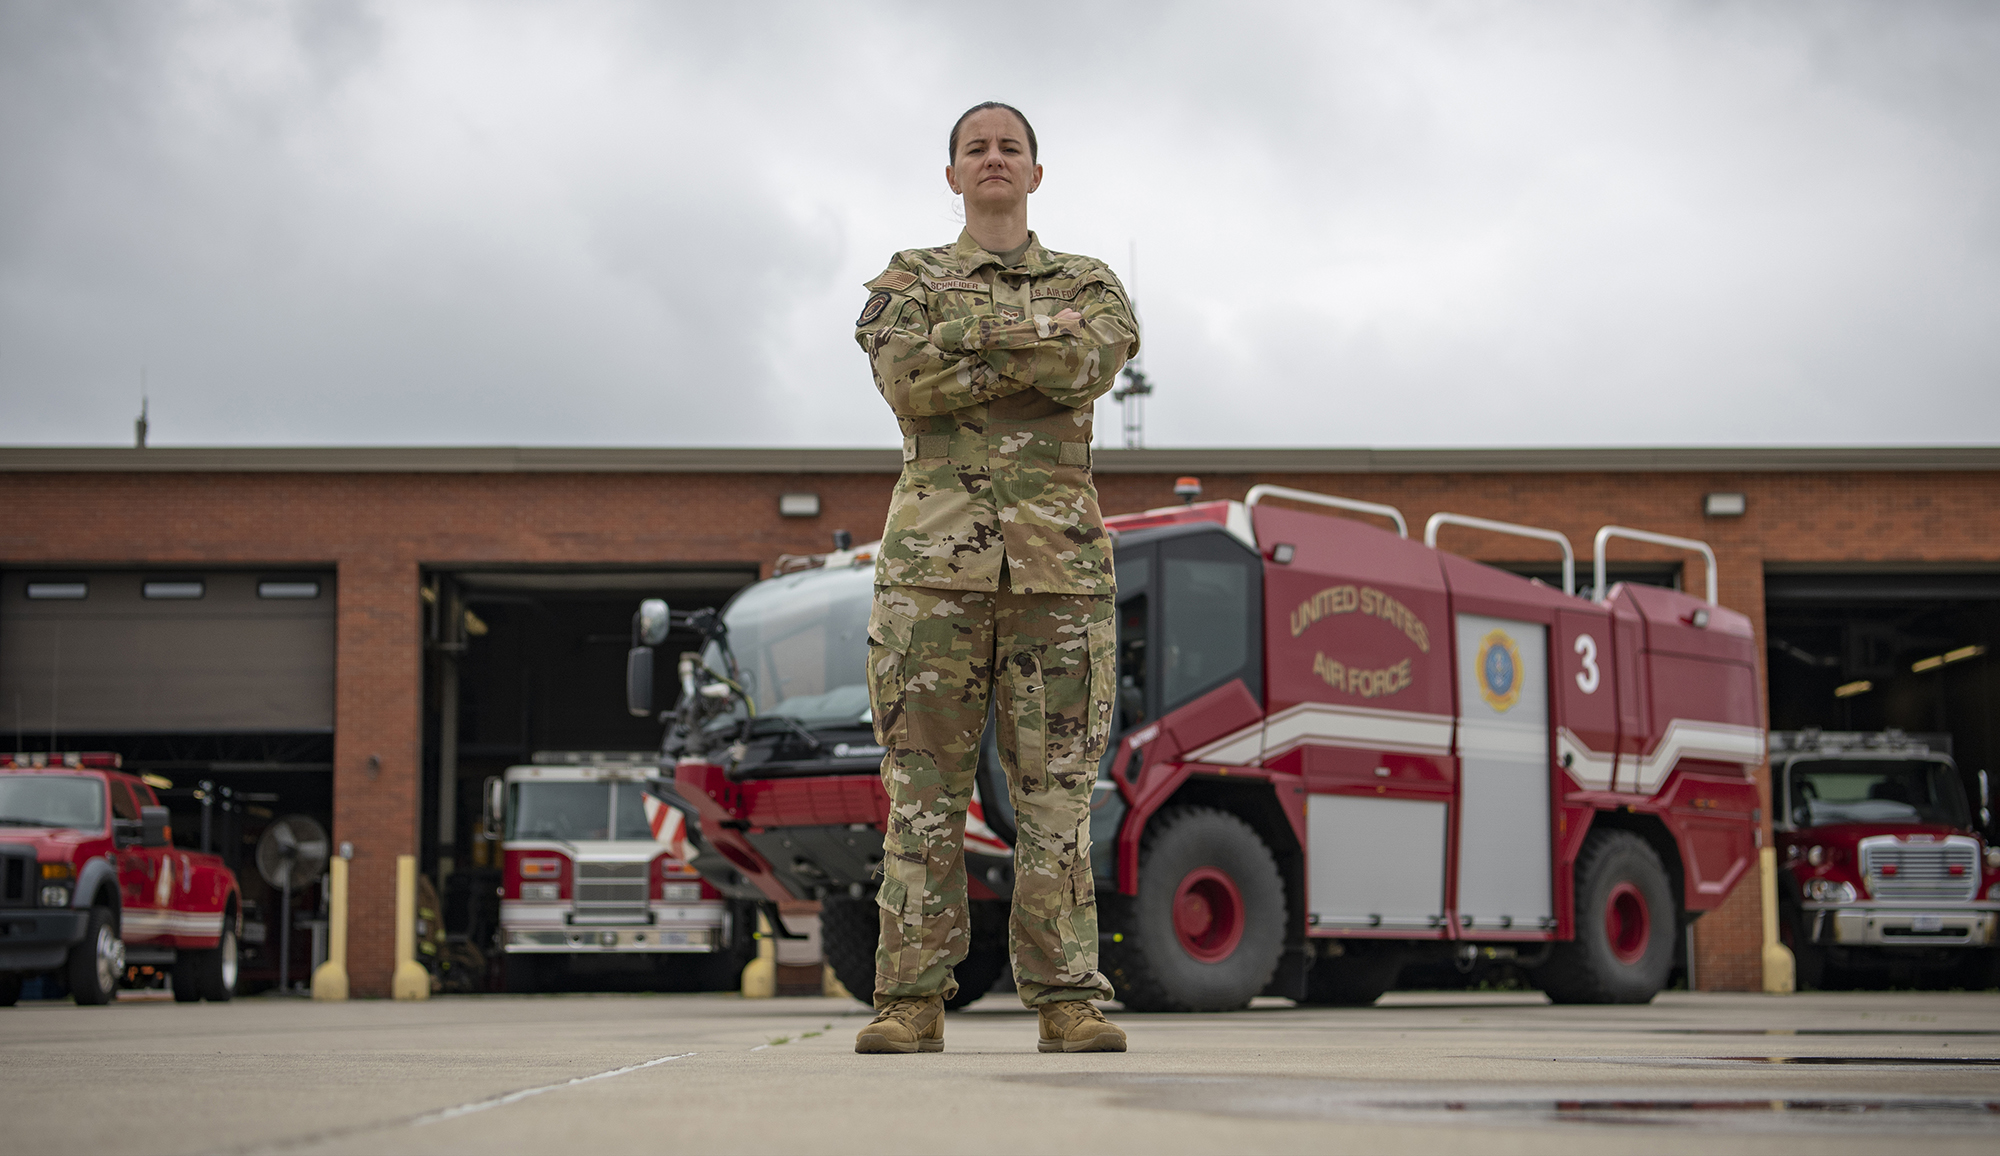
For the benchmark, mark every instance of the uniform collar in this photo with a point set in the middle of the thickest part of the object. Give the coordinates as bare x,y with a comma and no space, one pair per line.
969,256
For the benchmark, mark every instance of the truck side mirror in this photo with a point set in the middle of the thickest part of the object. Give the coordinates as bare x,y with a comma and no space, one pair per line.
639,681
1985,802
155,827
495,805
652,622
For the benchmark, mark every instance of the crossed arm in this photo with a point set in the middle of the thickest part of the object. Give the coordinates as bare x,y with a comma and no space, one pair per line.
1072,357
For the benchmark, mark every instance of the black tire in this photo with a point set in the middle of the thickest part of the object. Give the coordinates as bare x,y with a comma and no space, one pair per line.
1151,963
1981,970
184,979
97,962
719,970
521,974
1625,924
1808,958
1355,978
849,929
10,989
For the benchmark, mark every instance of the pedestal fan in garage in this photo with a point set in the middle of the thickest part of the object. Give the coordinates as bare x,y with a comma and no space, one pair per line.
292,848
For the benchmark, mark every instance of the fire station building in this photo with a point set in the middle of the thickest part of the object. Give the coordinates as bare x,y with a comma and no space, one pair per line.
362,636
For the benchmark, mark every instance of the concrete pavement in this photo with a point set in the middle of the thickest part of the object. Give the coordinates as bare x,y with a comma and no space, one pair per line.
1416,1073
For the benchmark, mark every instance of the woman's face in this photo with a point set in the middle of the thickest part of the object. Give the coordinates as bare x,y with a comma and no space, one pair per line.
993,170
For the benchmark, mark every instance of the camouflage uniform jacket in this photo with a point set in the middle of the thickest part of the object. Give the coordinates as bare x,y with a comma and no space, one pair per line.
994,398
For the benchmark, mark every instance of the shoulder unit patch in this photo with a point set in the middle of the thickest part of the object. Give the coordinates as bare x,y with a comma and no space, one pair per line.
872,310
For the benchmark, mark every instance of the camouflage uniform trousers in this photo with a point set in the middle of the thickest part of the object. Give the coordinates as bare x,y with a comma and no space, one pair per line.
934,656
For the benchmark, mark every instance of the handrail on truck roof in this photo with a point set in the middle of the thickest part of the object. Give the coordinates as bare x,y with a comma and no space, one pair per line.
1381,511
1556,536
1609,532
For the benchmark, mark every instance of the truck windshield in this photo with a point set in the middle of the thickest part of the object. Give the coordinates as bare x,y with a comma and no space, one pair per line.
74,801
801,642
1876,791
575,811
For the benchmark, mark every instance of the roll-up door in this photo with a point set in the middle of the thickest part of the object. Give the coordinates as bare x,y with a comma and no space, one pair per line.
134,652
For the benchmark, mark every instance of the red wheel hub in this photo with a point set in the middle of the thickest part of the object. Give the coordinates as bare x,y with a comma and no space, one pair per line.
1628,926
1208,914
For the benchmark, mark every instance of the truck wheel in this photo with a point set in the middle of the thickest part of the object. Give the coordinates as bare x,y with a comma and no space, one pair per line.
10,989
1355,978
216,975
521,974
849,929
1625,921
985,960
719,970
186,984
96,963
1207,928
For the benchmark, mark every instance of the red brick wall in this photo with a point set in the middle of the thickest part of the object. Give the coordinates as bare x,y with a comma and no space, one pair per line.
379,529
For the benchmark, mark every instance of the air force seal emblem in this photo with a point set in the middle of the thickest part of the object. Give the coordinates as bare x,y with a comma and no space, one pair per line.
1499,671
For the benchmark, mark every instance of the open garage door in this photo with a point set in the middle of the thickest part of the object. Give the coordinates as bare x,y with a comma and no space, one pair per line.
1873,651
521,660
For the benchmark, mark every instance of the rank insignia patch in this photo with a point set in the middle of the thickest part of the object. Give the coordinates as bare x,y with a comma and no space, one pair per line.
872,310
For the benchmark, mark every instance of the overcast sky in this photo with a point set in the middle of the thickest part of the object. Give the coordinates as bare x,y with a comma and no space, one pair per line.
1355,224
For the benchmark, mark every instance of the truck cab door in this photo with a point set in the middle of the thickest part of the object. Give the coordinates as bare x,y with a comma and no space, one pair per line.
138,865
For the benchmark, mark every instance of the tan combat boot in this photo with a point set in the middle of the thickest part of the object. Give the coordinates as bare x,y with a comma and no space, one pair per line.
1077,1026
912,1024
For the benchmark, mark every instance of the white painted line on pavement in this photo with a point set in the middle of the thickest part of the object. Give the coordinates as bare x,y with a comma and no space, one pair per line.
516,1097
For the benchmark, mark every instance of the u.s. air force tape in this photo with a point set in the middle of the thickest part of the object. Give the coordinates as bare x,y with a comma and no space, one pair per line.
872,310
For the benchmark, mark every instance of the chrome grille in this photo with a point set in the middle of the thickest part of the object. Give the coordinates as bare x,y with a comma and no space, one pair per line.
1922,870
611,884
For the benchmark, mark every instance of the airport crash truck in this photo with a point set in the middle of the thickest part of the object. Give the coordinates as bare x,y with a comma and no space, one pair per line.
1883,868
594,864
91,885
1337,752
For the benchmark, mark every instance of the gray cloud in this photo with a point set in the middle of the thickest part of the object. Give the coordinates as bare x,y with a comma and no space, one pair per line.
1387,223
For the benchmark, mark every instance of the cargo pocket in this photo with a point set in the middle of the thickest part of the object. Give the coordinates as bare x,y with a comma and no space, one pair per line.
888,650
1103,638
902,890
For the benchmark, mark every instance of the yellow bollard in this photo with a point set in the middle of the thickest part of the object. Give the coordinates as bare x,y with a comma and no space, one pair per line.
411,981
1779,973
760,975
330,978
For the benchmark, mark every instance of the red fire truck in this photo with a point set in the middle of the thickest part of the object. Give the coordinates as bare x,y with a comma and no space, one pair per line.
1884,869
1338,752
91,884
595,863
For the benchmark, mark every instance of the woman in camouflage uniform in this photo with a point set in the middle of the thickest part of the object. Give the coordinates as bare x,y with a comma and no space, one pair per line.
994,576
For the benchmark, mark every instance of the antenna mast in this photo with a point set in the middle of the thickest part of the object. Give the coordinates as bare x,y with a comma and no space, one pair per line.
1131,396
